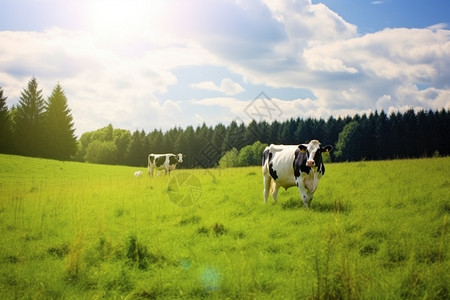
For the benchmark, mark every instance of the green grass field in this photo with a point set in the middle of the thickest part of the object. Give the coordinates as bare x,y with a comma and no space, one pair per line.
375,230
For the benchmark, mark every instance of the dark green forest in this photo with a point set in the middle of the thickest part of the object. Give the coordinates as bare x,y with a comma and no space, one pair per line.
38,127
45,128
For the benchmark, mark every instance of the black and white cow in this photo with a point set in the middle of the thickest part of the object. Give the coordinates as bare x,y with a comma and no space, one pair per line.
165,162
293,165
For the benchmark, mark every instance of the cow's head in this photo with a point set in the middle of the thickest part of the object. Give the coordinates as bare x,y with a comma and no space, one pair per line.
313,152
180,157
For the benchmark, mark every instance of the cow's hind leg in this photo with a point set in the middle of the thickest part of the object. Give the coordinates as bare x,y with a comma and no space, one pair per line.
267,182
275,193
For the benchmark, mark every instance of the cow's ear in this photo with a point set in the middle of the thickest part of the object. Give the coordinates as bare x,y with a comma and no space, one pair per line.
302,148
327,148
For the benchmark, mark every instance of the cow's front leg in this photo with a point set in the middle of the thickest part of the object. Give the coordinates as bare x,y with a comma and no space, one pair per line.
306,195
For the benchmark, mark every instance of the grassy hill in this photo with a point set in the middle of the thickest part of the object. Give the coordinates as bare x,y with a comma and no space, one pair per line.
78,230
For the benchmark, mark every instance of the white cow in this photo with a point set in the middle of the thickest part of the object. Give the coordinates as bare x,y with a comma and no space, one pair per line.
293,165
166,162
138,174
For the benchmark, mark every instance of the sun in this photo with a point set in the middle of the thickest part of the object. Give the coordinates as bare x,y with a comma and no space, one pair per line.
123,18
114,17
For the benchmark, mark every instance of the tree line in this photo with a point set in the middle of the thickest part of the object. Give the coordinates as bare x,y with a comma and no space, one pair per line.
45,128
376,136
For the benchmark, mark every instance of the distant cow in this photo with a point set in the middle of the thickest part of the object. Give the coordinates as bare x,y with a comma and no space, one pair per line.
165,162
289,165
138,173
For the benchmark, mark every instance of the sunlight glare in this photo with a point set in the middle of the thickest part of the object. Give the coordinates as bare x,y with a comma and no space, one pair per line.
121,18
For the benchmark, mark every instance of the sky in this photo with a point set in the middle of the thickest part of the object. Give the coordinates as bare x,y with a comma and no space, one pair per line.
160,64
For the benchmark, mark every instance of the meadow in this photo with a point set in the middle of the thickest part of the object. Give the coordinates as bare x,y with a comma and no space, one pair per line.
375,230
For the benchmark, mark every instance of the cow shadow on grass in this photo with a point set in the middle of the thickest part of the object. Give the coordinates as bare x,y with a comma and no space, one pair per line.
335,206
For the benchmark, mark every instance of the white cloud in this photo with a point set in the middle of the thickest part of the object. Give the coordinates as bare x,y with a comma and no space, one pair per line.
102,86
438,26
206,85
327,64
384,103
227,86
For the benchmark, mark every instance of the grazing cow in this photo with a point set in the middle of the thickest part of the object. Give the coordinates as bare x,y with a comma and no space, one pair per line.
167,162
289,165
138,174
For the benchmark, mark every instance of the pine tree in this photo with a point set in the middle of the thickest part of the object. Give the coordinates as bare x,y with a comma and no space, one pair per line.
28,121
137,155
5,126
155,139
60,139
188,146
381,124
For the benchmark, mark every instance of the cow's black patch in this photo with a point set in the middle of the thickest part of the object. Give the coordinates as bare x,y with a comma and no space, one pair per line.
318,158
299,163
159,161
272,172
305,169
152,159
267,156
173,160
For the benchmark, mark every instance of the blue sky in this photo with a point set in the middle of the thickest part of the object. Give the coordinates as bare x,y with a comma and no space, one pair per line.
372,16
158,64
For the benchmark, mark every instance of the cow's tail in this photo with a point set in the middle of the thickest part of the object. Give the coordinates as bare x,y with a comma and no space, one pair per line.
272,186
271,183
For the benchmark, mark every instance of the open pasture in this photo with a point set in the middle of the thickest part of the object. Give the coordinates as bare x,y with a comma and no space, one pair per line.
375,230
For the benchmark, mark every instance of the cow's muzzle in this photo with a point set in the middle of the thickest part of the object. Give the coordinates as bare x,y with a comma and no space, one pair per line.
310,163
